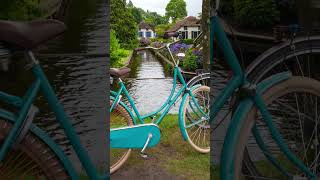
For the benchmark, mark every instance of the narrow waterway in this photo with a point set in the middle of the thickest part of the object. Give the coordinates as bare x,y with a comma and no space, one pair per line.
149,84
79,81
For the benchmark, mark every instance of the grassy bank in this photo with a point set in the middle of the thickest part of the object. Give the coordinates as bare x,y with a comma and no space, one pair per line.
174,154
124,57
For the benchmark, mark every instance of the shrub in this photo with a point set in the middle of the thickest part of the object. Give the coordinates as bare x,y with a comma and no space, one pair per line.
114,47
161,40
179,47
189,63
156,44
116,52
144,42
256,13
161,28
20,9
192,60
187,41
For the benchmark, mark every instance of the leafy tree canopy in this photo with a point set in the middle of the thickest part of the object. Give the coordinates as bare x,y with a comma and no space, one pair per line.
151,18
176,9
123,23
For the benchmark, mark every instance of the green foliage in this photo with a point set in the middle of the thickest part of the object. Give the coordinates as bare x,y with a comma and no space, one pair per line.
154,18
137,14
151,18
160,40
20,9
116,52
187,41
226,7
161,28
256,13
123,23
176,9
189,63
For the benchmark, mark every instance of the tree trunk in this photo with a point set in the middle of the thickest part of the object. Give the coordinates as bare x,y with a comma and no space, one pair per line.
206,33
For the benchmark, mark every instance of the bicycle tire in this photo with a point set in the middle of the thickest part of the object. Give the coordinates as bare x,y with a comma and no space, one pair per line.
31,158
257,168
281,56
121,111
203,79
204,93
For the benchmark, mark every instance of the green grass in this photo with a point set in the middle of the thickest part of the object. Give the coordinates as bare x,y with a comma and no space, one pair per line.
186,161
177,156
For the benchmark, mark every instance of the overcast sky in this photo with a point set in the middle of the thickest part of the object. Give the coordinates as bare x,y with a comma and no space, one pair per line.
159,6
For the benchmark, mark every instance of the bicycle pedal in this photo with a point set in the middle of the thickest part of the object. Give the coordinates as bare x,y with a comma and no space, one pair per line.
144,155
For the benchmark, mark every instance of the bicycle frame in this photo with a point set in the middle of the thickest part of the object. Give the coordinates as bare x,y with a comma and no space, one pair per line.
24,104
166,105
239,81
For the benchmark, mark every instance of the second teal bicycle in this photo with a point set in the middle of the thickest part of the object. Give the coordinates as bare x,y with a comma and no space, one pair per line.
193,113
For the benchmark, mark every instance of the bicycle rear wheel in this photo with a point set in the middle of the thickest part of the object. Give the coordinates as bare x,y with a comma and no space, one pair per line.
294,106
31,158
301,57
119,117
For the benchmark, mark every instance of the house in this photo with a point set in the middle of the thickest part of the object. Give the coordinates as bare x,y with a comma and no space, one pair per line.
189,27
146,31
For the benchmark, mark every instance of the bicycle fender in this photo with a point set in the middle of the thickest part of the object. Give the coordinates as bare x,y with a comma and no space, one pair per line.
181,122
233,132
273,80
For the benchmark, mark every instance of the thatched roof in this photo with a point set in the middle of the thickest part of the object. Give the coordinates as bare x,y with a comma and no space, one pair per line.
189,21
144,25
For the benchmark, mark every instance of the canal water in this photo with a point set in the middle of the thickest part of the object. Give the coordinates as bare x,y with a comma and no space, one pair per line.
79,81
149,84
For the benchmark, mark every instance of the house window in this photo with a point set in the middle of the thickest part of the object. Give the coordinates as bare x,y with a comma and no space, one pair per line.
194,34
140,34
148,34
185,28
184,34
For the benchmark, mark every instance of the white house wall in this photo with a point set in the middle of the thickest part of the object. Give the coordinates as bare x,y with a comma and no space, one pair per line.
189,29
144,33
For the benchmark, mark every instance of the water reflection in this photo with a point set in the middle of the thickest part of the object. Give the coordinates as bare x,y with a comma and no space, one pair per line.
148,83
80,82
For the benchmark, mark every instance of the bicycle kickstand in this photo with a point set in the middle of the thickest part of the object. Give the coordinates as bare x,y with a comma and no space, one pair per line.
142,153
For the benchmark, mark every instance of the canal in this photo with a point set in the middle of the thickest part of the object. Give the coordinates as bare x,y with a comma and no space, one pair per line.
79,81
148,83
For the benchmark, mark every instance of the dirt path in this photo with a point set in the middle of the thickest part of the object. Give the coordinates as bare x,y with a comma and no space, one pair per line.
146,169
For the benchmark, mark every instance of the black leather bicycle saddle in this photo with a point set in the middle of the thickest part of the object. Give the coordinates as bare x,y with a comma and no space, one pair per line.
119,72
28,35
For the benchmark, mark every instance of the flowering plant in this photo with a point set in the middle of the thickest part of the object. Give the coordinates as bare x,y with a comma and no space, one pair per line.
179,47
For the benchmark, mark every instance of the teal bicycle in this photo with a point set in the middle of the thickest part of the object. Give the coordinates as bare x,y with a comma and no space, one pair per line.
26,150
193,113
274,130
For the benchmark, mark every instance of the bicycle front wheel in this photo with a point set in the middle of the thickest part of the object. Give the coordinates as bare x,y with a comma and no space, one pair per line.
119,117
294,106
30,159
196,119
